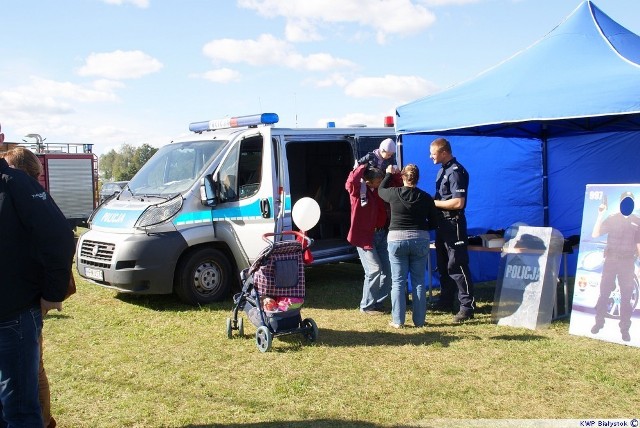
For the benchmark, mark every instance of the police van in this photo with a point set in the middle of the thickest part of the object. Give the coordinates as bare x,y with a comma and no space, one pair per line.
195,213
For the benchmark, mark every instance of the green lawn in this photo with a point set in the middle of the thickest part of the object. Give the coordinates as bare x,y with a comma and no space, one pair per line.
127,361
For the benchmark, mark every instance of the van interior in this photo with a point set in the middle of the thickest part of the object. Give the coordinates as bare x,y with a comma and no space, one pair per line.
319,170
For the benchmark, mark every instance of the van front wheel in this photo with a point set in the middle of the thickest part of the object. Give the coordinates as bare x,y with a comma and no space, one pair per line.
204,276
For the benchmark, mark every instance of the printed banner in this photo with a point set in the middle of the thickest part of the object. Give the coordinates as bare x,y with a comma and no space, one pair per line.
605,296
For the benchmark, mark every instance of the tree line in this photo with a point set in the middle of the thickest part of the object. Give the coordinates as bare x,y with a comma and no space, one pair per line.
122,164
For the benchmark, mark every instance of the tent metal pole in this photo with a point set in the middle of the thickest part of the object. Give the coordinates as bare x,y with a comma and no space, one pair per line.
545,178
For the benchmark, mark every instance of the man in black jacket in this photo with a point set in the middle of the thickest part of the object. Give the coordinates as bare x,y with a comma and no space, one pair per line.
36,249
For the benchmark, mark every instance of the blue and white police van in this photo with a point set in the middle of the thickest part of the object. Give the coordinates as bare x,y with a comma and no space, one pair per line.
193,216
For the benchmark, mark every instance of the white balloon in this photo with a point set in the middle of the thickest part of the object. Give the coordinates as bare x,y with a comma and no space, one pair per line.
305,213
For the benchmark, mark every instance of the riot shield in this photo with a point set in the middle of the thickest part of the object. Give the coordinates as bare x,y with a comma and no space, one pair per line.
527,277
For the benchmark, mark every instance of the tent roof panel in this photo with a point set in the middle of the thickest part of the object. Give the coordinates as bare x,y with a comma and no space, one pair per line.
584,68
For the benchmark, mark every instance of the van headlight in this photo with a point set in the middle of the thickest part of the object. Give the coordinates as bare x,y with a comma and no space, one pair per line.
160,213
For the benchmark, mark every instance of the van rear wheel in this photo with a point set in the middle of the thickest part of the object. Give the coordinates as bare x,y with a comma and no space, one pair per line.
203,276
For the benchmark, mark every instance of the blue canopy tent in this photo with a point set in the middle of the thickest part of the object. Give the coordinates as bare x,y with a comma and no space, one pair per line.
538,127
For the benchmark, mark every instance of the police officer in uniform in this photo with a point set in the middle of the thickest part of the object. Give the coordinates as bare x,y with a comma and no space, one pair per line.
623,229
452,183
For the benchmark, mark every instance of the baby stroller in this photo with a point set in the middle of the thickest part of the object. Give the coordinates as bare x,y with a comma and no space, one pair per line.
273,292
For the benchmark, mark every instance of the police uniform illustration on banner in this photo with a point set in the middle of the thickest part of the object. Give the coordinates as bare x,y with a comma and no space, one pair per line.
605,298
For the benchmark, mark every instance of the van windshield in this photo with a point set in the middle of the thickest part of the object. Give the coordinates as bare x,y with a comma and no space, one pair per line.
175,168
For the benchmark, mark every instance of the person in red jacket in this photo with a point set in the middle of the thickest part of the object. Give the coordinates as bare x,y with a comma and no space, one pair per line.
368,233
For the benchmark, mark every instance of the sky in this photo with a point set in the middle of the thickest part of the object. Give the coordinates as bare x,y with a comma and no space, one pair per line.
110,72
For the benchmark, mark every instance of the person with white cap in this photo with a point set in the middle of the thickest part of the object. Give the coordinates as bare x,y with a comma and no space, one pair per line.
379,158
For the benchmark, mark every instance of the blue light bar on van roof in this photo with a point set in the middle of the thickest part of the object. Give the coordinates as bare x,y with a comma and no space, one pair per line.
235,122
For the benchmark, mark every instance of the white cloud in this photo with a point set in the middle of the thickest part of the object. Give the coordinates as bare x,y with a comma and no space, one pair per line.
97,91
21,104
335,79
397,88
220,75
143,4
53,108
43,96
385,17
269,50
85,128
120,65
301,30
324,62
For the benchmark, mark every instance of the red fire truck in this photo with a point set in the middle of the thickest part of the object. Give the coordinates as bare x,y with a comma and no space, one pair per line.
70,175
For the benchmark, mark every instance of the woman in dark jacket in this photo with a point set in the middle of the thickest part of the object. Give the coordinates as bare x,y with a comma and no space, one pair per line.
413,214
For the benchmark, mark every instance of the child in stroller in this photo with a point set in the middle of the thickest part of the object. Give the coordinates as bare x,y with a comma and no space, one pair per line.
273,290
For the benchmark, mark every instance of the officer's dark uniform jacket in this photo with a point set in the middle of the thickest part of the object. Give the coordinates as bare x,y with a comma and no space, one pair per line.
36,244
452,181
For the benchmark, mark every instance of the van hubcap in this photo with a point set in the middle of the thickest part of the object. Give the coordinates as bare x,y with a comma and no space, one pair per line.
206,278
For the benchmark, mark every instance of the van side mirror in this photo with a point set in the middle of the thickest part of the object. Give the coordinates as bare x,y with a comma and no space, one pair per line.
208,194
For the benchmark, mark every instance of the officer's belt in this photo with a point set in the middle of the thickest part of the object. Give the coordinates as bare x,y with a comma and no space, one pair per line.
452,214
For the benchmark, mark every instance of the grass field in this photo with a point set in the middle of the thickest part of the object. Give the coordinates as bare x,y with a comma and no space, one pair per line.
126,361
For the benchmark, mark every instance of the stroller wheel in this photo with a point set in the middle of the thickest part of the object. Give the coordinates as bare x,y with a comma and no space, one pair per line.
263,339
240,327
310,329
229,329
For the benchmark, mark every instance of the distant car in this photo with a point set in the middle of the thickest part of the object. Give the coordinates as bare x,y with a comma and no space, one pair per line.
111,188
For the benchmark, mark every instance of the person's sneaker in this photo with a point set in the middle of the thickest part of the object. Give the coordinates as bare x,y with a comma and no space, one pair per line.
625,336
394,325
372,311
462,317
597,327
363,202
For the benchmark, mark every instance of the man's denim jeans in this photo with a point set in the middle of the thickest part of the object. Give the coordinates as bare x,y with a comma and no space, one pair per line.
377,281
19,363
408,256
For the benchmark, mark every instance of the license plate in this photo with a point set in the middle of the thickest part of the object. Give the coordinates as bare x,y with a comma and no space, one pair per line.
96,274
